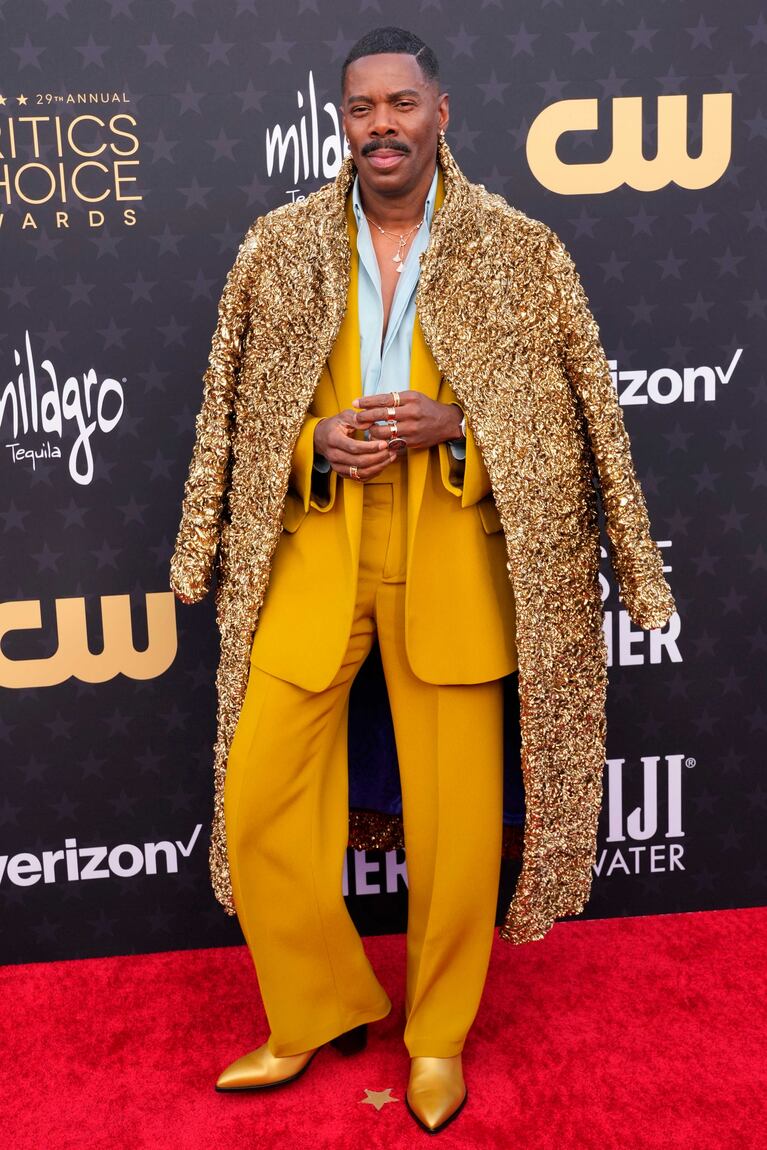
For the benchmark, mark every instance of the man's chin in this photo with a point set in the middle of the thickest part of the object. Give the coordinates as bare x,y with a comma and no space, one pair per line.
390,181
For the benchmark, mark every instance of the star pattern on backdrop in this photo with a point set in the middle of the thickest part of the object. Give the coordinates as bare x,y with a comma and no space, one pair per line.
672,279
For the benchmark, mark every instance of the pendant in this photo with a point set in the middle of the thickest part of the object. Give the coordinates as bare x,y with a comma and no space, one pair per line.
396,258
399,269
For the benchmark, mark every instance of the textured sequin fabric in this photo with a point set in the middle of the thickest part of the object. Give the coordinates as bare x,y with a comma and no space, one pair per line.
507,320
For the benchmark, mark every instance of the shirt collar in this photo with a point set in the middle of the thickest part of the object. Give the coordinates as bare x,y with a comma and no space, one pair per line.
428,207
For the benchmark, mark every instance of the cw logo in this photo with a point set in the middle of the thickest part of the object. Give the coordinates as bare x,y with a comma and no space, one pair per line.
73,658
626,164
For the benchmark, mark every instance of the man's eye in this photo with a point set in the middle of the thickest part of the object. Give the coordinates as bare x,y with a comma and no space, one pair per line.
405,104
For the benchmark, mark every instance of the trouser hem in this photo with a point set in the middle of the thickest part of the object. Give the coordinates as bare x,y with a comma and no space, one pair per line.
423,1048
321,1036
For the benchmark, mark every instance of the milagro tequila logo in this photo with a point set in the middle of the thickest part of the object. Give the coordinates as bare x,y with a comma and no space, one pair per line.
38,413
310,148
647,838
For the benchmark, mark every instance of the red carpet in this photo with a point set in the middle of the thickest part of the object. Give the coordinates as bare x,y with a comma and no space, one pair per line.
619,1034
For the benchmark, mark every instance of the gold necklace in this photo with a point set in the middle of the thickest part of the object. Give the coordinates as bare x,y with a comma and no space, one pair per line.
401,239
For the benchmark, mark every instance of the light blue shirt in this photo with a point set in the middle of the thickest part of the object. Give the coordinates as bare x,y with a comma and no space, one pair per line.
387,368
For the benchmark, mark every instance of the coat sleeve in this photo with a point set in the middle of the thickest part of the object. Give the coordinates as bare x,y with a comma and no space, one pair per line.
635,557
192,562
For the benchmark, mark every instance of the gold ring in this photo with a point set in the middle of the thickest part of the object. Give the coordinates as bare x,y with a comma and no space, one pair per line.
393,425
391,411
353,472
395,398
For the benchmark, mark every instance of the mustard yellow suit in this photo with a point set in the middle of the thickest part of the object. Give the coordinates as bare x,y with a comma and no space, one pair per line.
417,558
459,625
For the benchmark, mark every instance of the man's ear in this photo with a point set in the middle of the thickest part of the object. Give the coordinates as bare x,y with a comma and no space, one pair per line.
443,107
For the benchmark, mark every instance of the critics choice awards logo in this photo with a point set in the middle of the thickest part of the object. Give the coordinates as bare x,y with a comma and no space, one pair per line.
57,151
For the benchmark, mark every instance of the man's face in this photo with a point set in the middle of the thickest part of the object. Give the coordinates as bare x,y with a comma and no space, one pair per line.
392,116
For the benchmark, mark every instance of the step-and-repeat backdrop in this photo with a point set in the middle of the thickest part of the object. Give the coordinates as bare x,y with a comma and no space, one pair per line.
138,141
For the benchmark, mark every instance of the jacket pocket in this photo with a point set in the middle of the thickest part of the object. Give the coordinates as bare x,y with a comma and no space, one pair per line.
488,513
294,513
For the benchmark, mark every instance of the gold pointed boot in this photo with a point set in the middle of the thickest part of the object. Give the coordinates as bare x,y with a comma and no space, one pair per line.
436,1092
260,1069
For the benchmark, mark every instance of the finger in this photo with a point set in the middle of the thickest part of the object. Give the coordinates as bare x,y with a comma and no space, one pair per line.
365,470
355,450
347,455
387,411
345,443
351,417
365,401
351,420
386,398
374,414
373,469
404,428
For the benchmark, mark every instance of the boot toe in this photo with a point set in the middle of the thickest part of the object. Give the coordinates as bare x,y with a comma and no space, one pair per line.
261,1068
436,1093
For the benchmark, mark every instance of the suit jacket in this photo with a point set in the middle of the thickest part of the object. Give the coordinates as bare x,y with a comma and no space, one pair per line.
459,601
507,322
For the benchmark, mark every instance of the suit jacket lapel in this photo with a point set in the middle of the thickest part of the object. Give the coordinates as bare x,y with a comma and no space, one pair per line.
424,373
424,376
344,358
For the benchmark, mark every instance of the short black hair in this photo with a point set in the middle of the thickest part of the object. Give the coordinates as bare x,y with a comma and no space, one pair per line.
382,40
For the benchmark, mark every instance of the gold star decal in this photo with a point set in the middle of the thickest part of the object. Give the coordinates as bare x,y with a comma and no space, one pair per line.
2,100
22,99
378,1098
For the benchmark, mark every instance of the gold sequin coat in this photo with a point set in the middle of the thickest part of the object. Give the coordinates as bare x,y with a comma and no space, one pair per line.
506,318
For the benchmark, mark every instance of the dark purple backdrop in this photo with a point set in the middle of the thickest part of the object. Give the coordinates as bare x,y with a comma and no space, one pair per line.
137,143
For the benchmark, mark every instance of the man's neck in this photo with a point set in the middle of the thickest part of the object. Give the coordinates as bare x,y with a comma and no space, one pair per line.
397,213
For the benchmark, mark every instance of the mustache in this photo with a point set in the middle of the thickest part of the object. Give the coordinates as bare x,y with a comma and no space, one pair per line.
379,145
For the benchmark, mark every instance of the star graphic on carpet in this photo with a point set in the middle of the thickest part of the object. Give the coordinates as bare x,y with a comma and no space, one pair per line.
378,1098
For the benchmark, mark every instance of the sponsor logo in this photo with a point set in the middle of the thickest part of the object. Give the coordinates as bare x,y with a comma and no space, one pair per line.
626,163
665,385
91,158
34,405
310,148
80,864
636,829
371,876
628,645
73,657
48,160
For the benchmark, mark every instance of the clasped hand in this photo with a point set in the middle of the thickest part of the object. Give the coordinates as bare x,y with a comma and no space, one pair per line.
421,422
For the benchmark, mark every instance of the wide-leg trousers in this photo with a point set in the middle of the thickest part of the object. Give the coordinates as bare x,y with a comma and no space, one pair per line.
286,811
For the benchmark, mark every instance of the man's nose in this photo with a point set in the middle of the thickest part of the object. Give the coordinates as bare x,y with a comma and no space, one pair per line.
382,122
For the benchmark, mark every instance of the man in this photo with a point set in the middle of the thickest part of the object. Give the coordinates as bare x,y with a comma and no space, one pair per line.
405,407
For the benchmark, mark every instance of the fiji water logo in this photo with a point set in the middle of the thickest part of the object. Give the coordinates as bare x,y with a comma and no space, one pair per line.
39,414
649,834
